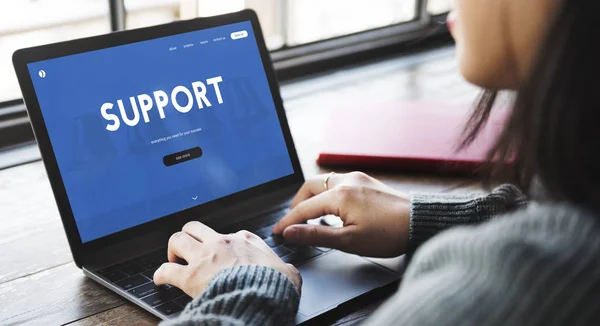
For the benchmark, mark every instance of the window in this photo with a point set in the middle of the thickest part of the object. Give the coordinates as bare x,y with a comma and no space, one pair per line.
305,36
26,23
437,7
143,13
286,23
314,20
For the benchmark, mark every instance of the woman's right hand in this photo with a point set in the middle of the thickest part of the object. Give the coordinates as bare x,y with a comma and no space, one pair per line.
376,217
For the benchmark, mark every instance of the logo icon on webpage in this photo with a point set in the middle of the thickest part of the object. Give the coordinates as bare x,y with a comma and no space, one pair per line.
42,74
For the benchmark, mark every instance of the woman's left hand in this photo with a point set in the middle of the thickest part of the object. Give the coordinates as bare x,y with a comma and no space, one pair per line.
208,252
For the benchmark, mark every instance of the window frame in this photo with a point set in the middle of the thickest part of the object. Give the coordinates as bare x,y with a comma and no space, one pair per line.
424,31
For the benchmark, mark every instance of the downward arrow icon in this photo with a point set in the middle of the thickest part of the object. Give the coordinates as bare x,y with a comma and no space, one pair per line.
194,198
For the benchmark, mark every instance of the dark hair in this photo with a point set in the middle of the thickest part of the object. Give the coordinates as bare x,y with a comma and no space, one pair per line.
553,132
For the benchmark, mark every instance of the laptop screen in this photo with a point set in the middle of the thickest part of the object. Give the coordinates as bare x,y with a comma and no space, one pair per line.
148,129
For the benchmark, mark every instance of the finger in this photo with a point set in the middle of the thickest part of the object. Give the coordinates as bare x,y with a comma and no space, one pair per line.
200,231
317,206
182,245
307,190
315,186
318,235
170,273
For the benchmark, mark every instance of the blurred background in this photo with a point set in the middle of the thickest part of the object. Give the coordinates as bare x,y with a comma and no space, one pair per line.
306,38
287,24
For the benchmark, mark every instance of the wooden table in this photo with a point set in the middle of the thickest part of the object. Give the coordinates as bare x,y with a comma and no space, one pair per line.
40,285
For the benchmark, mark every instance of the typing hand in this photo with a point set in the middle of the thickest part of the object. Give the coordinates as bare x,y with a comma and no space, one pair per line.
376,217
208,252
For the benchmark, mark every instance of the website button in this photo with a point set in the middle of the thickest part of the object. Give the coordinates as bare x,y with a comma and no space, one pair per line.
183,156
238,35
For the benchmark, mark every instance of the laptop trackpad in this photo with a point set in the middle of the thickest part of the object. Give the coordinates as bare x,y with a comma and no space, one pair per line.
337,278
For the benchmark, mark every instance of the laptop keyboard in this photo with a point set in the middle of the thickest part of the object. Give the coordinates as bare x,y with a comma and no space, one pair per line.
135,276
290,253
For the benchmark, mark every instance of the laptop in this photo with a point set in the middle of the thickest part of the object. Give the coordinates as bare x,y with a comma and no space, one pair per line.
144,130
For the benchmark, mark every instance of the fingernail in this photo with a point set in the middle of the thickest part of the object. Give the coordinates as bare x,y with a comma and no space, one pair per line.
291,231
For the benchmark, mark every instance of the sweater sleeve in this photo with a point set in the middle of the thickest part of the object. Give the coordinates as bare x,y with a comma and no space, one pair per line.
432,213
536,266
243,295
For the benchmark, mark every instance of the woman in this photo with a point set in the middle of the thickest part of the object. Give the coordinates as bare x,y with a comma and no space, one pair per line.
522,260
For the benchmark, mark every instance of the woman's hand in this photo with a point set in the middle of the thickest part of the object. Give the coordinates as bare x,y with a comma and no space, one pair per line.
208,252
376,218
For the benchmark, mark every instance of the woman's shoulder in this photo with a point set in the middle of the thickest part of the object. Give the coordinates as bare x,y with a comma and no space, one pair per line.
519,267
547,221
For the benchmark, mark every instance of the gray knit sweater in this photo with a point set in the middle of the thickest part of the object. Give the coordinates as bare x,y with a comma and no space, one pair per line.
534,264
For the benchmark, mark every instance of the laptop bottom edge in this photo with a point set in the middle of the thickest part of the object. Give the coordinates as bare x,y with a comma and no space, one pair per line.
332,280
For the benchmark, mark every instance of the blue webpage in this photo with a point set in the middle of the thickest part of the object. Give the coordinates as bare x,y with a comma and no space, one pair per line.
148,129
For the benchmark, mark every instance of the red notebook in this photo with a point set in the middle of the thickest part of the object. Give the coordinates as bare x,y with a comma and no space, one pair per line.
415,136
